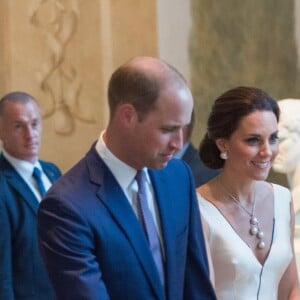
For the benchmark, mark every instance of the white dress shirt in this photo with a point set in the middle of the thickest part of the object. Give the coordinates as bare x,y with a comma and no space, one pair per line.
25,170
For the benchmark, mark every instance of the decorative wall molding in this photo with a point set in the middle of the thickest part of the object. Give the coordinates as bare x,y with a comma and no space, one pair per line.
58,77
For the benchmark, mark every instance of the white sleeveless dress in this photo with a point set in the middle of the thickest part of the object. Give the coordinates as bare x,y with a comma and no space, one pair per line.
238,273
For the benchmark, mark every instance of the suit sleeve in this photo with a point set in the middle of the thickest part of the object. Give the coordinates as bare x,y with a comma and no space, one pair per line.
66,245
6,278
197,281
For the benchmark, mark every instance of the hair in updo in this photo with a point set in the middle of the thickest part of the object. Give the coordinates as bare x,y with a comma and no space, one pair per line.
225,116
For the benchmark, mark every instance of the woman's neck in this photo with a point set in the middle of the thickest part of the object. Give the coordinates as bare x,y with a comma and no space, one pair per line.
237,187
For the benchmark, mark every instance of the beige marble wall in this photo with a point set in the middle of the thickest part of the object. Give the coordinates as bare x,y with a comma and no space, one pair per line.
63,52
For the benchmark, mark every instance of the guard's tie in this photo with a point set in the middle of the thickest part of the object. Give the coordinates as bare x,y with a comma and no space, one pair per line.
37,175
146,219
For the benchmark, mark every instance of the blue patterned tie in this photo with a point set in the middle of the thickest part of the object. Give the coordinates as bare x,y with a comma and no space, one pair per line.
146,218
37,175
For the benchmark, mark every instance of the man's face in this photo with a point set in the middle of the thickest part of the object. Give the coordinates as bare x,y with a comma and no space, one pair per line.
154,140
20,130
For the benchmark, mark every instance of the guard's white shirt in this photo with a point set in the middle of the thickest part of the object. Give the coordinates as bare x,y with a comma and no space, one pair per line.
25,170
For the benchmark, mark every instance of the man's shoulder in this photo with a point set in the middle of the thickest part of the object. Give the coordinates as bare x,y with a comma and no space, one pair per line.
79,175
52,169
47,164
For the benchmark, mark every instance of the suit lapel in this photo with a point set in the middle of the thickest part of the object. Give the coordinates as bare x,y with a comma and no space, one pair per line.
111,194
167,220
17,182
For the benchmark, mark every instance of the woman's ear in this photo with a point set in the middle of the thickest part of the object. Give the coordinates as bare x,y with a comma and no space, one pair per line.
222,144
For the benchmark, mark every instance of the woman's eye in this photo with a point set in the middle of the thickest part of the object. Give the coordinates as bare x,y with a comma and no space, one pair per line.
274,138
252,140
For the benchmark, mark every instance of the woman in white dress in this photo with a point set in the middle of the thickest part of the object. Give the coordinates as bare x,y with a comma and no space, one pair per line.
248,222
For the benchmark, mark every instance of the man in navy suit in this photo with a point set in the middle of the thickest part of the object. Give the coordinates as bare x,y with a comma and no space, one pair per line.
89,226
22,272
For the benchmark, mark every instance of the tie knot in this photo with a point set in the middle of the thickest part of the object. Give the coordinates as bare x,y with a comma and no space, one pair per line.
140,177
37,173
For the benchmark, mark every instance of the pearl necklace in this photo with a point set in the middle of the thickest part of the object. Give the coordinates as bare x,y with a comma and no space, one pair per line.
255,229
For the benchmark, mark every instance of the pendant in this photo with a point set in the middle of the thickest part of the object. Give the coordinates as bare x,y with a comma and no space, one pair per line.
253,220
261,245
253,230
260,234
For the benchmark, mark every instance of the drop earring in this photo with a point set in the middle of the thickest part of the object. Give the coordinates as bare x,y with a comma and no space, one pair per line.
224,155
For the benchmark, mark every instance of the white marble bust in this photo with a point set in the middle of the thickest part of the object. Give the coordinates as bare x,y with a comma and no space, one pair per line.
288,159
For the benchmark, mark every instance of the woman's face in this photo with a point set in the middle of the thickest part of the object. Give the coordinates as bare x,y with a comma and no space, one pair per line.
289,149
252,147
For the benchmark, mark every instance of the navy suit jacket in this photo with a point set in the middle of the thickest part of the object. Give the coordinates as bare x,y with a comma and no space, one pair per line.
94,246
200,171
22,273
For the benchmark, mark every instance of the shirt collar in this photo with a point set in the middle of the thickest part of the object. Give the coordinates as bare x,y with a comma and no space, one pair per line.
123,173
25,168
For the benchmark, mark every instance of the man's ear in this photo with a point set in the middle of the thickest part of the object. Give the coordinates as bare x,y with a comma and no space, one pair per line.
127,114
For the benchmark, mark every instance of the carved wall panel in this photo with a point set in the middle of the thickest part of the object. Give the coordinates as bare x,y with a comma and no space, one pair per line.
63,52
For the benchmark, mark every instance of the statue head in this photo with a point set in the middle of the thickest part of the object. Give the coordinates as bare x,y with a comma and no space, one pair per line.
289,136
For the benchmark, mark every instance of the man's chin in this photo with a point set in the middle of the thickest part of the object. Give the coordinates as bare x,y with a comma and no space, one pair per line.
31,157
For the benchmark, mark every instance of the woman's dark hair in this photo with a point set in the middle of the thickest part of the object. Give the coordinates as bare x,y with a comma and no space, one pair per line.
225,116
